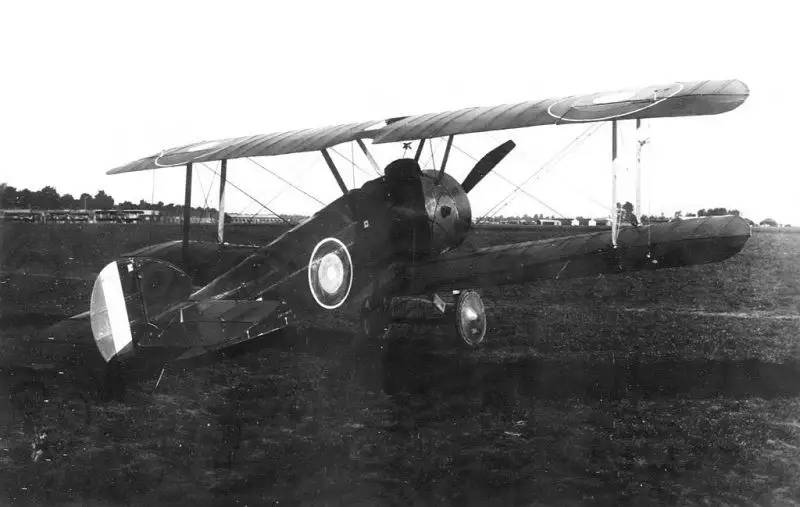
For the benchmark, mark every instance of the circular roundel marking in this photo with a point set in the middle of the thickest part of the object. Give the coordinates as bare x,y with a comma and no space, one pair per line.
330,273
611,105
185,154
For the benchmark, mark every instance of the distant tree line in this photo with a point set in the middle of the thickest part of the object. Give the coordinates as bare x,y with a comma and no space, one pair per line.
710,212
49,198
716,212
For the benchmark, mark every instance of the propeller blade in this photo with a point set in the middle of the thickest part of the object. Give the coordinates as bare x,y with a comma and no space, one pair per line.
486,164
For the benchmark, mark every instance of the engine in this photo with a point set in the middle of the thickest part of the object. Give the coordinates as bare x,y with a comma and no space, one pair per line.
448,210
429,214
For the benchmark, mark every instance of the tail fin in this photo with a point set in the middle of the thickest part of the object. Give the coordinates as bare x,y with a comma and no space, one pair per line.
140,303
128,295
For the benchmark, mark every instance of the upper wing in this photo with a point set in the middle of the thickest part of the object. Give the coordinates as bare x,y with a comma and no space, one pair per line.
674,99
679,243
278,143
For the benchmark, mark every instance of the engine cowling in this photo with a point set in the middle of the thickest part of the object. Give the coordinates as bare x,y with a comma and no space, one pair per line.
448,210
430,213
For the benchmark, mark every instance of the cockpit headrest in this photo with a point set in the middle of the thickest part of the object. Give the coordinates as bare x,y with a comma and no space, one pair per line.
402,169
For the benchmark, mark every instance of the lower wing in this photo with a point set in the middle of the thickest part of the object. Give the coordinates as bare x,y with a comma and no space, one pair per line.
663,245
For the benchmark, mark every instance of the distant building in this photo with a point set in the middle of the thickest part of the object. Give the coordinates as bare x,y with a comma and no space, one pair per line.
105,215
21,215
69,216
130,216
245,218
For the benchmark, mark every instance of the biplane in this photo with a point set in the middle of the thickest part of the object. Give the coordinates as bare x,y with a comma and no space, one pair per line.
395,236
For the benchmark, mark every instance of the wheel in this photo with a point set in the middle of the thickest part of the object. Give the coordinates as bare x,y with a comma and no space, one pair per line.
470,317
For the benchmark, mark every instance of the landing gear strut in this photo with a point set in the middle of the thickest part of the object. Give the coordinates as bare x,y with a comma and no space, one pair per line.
467,315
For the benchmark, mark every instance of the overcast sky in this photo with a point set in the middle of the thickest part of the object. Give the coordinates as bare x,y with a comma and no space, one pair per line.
87,86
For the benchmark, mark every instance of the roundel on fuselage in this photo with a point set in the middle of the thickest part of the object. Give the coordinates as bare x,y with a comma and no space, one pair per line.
330,273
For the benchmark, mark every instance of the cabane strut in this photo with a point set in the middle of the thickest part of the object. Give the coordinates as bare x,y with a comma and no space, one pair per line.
334,171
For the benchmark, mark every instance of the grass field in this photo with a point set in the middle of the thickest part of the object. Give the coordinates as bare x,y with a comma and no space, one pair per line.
676,386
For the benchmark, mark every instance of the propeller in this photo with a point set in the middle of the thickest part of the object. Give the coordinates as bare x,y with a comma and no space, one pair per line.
486,164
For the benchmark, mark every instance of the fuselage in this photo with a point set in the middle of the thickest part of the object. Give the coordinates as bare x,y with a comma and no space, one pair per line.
404,216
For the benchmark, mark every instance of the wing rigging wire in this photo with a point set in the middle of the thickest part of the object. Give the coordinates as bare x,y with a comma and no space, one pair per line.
237,187
352,161
496,173
577,141
433,155
285,181
207,193
280,192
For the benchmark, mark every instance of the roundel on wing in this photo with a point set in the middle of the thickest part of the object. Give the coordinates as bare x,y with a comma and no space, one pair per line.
611,105
185,154
330,273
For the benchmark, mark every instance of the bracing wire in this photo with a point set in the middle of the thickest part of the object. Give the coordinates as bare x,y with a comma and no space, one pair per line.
286,181
494,172
433,156
202,187
152,201
351,161
575,142
237,187
153,189
270,200
206,194
286,186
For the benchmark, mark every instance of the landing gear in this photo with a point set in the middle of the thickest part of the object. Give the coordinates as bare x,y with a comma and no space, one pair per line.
470,317
415,317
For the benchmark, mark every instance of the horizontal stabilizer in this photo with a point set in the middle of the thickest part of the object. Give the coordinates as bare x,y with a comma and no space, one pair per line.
128,295
664,245
140,303
217,324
